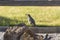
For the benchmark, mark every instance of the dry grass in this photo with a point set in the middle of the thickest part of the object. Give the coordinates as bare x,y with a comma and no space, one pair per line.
43,15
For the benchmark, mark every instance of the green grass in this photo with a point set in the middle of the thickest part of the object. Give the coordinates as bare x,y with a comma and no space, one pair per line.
43,15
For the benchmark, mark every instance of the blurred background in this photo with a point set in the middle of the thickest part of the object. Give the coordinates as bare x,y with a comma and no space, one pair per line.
43,15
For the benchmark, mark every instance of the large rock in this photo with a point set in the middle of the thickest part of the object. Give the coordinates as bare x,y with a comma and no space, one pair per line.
17,33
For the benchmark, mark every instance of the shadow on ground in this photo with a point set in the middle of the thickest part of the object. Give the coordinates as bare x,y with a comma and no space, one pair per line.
4,21
47,26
